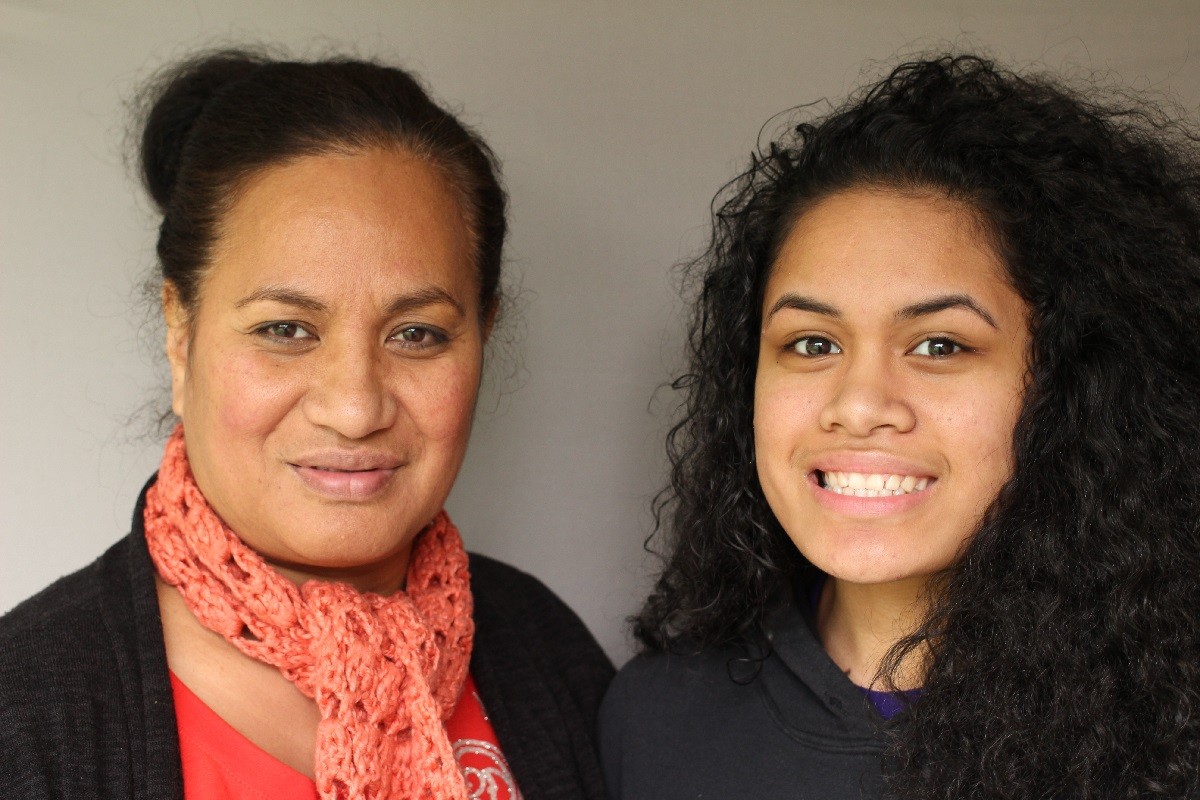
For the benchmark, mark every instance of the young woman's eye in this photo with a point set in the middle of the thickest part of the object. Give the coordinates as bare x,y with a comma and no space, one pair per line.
814,346
418,336
285,330
937,348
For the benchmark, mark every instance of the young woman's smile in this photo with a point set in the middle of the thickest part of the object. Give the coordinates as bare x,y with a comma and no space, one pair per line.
869,485
890,375
327,378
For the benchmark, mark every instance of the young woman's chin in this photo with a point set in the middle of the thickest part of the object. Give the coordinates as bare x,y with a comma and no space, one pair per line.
879,574
868,556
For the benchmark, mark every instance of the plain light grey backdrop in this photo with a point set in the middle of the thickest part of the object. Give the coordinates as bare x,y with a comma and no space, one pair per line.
616,123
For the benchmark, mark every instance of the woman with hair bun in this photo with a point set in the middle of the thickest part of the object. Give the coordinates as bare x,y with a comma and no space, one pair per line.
293,614
932,529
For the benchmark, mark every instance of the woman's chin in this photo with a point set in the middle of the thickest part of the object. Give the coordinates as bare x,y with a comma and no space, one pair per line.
874,567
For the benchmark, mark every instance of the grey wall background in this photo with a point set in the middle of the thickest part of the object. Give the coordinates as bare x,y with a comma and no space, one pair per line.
616,123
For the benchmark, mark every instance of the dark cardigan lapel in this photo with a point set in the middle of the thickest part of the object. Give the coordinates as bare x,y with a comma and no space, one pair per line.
130,611
541,677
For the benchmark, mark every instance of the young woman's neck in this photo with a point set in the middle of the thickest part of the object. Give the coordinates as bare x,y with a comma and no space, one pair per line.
859,623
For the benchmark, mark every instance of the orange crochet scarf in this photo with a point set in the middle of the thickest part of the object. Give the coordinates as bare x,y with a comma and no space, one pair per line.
385,671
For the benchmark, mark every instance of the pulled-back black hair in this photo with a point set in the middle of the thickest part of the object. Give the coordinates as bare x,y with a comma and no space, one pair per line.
1064,648
218,118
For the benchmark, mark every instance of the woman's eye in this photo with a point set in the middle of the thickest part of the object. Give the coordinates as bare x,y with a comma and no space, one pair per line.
816,346
286,330
937,348
419,336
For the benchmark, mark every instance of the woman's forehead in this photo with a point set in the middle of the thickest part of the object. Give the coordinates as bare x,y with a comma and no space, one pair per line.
332,223
872,251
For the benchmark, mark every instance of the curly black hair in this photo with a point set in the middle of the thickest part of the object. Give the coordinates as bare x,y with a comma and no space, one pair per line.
1063,649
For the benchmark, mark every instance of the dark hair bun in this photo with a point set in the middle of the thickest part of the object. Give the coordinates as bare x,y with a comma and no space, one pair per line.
175,102
214,119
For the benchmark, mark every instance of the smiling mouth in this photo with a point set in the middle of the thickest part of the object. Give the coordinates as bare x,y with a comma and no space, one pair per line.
345,484
348,471
871,484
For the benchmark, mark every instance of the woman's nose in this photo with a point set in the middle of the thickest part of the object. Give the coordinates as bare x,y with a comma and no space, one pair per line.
349,393
866,399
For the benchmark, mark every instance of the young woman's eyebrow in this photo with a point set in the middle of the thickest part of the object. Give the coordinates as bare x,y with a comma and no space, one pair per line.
799,302
420,298
936,304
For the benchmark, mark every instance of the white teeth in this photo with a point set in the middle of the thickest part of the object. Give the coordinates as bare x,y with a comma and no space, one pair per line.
859,484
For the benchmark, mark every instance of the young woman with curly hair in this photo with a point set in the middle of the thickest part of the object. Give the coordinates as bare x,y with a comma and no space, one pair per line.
932,528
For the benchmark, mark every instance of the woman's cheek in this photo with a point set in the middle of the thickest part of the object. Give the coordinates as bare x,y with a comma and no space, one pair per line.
772,444
444,398
986,419
253,394
784,416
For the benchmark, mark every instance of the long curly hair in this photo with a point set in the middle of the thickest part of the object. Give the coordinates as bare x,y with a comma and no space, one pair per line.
1062,649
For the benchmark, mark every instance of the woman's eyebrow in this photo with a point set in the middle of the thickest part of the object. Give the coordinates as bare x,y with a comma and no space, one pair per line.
427,296
936,304
278,294
419,298
799,302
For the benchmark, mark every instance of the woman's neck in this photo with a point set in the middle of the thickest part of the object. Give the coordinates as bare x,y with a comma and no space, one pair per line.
385,578
859,623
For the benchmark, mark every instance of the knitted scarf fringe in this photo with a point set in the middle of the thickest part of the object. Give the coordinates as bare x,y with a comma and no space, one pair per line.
385,672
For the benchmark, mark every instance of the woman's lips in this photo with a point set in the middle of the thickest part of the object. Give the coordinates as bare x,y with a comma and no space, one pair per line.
360,484
879,506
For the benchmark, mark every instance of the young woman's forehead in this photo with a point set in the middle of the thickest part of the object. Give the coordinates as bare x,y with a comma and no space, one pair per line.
866,252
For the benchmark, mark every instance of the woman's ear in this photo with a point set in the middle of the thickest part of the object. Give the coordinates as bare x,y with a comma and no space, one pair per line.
178,339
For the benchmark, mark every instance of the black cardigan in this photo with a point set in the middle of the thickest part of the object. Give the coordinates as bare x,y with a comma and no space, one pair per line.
85,694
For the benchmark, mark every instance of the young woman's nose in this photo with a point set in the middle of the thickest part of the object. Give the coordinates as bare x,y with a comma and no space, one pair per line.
348,392
866,399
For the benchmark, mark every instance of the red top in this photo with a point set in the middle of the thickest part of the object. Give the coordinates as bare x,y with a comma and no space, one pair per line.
221,764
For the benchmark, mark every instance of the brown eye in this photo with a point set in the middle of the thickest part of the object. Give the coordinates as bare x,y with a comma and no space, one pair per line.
415,335
419,337
937,348
815,346
286,330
